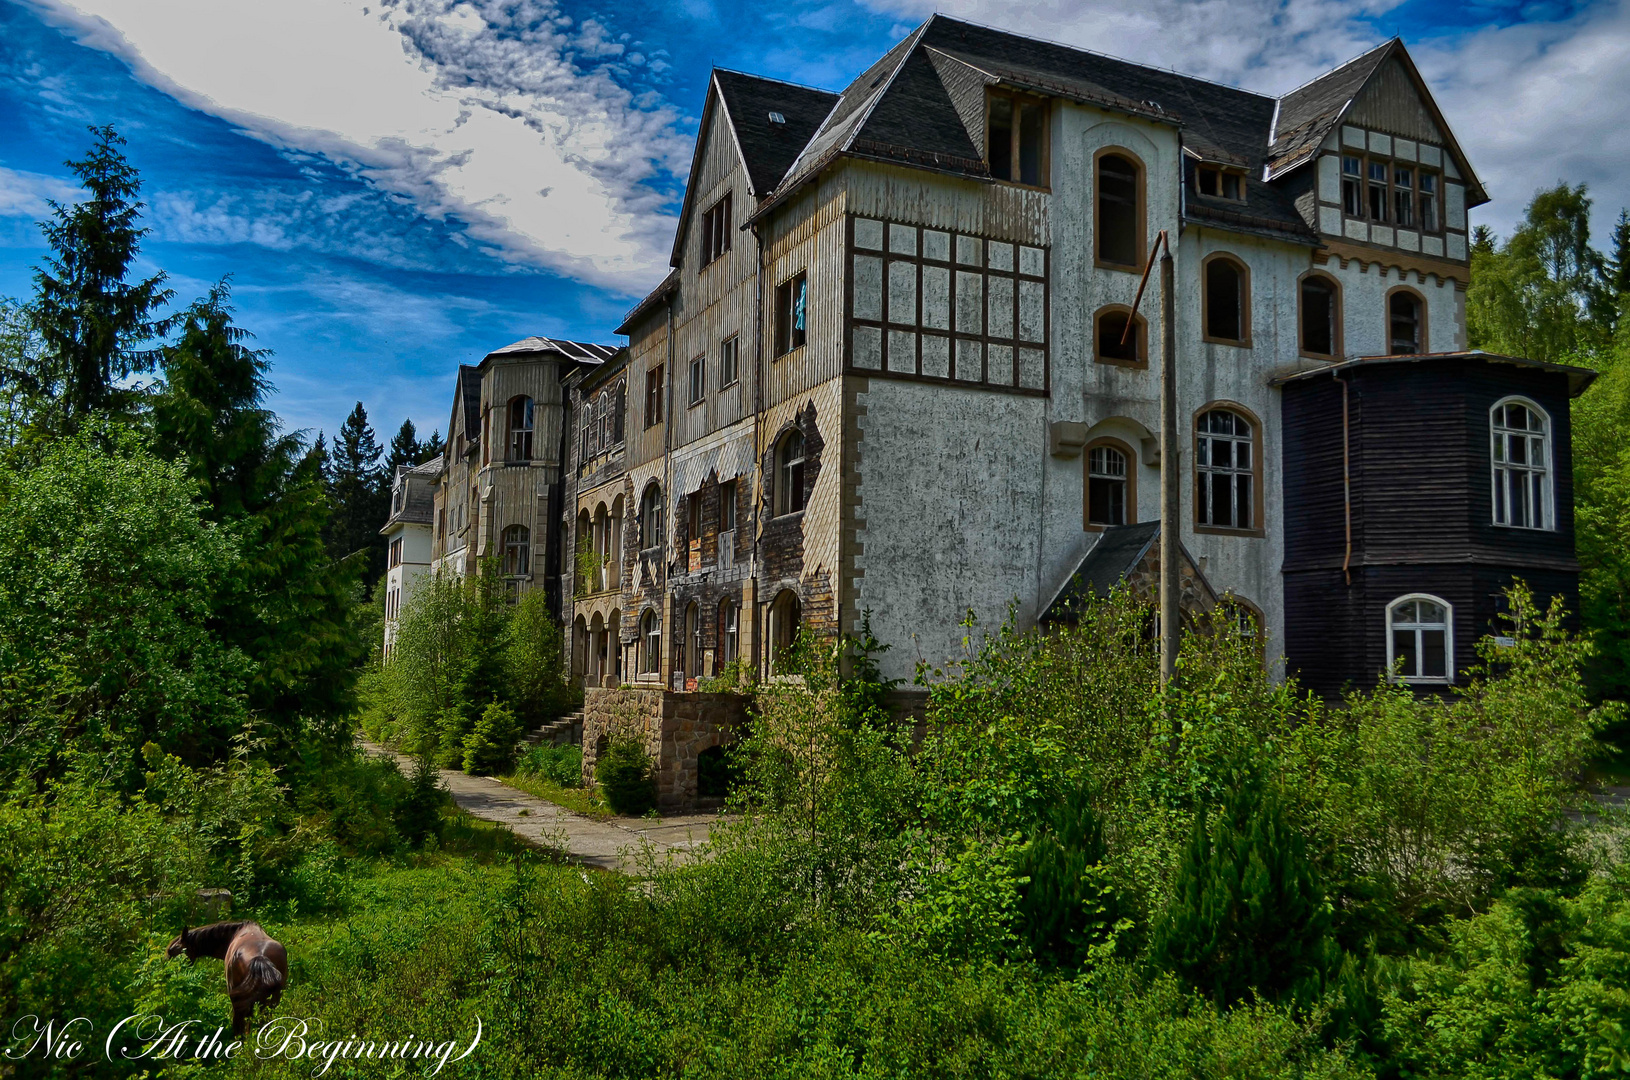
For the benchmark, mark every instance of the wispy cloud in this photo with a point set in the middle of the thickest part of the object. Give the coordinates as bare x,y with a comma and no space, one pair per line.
28,194
511,117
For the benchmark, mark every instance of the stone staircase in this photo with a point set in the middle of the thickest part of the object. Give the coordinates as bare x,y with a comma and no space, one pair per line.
568,730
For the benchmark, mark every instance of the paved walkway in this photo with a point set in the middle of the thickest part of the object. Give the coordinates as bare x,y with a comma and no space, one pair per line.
616,844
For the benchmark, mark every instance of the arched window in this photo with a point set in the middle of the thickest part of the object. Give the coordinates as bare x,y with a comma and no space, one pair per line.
1320,316
692,643
1108,348
650,643
729,630
1120,211
1521,455
517,544
1420,639
1406,322
1226,301
789,473
520,429
784,617
1110,484
651,517
580,646
619,405
602,420
1225,464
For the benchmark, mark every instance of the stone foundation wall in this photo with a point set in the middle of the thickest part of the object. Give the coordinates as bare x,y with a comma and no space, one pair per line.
675,727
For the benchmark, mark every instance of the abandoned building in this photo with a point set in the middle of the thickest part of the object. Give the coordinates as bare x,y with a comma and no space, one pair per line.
895,369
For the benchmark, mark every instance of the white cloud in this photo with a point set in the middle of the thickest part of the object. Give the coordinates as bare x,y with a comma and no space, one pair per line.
26,194
505,115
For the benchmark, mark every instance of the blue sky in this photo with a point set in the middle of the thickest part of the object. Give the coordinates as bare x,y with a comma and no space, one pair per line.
397,187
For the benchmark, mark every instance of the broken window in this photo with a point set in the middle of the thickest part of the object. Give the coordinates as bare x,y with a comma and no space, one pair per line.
653,396
1224,469
789,473
693,506
1318,316
727,361
520,429
1352,185
729,630
1522,458
727,506
1225,299
651,638
395,559
1429,201
1107,486
1404,337
716,230
1016,139
698,379
1378,191
1111,330
1403,196
790,314
651,517
691,644
517,551
1220,183
1120,217
619,403
784,618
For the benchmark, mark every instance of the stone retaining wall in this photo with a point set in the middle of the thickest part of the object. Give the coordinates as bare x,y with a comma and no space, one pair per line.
675,727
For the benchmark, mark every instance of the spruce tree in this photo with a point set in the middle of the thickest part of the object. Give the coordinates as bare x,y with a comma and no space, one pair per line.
359,493
1619,278
430,447
289,607
404,450
92,321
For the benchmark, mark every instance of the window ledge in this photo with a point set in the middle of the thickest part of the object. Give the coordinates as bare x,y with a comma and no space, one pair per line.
1122,267
1525,528
790,352
788,515
1218,530
1130,365
1233,343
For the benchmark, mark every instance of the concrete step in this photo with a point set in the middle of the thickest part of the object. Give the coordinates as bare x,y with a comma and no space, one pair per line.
567,730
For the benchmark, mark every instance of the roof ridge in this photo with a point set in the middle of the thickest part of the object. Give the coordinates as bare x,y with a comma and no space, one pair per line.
1104,55
1339,67
779,82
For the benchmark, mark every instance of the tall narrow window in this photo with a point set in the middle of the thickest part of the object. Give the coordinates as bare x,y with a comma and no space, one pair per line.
698,379
1420,639
1226,301
727,361
1378,191
716,230
1108,486
693,640
1224,465
790,314
1429,201
1403,197
651,639
693,516
1113,345
586,449
727,506
1405,324
520,429
651,517
789,473
1352,185
1016,139
653,396
1320,329
1522,466
517,551
602,420
1120,217
784,618
729,630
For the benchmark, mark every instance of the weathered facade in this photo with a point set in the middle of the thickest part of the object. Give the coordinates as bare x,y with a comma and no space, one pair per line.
408,538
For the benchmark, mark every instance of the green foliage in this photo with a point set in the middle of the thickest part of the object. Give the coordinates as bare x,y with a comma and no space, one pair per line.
534,679
560,763
1069,909
93,323
489,748
624,777
359,490
1248,915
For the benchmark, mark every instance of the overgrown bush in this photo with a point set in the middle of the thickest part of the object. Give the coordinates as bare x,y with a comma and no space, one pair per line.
489,748
560,763
623,775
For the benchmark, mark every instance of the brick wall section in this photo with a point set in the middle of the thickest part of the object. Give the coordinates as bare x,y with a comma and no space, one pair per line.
676,728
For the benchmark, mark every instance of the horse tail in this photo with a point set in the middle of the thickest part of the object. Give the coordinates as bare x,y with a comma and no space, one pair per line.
264,975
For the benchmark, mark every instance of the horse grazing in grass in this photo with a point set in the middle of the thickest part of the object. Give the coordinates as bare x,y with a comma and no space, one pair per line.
257,967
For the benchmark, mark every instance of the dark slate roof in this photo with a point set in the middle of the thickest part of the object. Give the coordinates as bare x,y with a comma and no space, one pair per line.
1307,114
768,149
1578,377
1118,551
418,484
580,351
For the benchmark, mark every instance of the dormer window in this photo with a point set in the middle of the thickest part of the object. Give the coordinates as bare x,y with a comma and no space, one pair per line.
1016,139
716,230
1220,183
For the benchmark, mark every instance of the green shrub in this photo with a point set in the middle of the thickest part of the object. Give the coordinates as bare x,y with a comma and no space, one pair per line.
558,763
489,748
1068,904
418,817
623,775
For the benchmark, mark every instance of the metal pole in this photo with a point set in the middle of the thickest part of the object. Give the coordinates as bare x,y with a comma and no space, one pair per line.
1170,477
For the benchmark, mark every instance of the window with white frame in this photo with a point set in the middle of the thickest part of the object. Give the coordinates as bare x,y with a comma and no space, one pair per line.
1106,486
651,640
1224,466
727,361
1420,639
789,473
651,517
1521,454
729,623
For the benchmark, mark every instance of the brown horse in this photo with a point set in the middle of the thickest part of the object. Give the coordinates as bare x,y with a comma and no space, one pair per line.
257,967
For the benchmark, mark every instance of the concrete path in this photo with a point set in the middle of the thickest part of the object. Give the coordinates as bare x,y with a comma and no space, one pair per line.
617,844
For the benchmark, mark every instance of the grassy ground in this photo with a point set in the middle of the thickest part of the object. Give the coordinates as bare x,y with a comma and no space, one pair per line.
577,800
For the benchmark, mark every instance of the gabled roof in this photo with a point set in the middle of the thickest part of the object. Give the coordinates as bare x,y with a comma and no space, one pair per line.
1311,111
652,299
581,351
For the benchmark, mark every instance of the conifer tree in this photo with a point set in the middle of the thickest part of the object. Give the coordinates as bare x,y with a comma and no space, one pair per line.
359,493
289,605
92,321
404,450
430,447
1619,278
